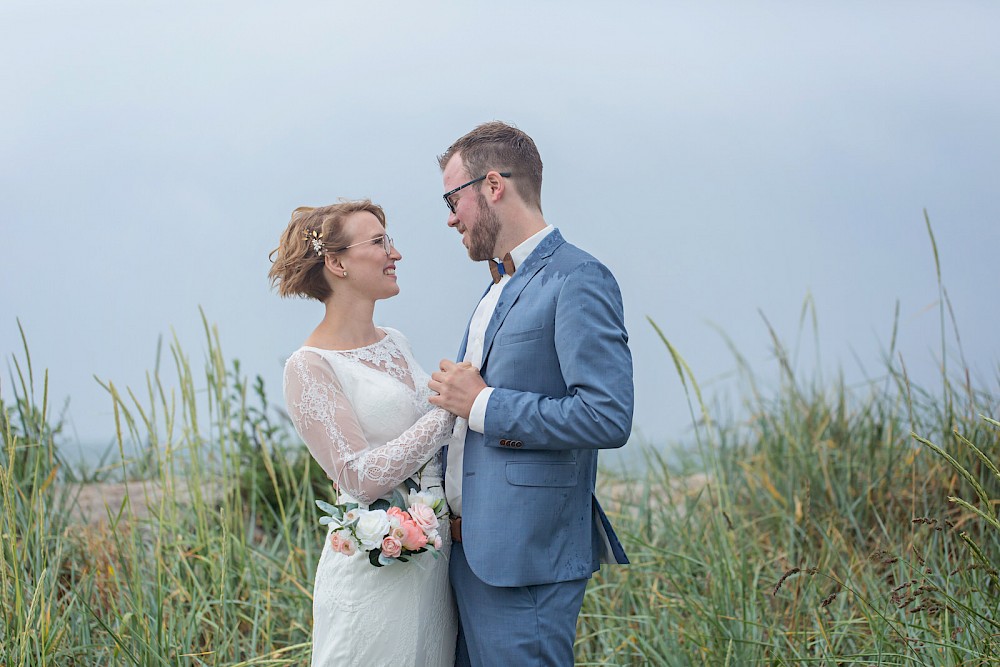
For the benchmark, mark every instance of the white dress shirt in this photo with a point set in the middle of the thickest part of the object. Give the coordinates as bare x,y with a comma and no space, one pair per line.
474,355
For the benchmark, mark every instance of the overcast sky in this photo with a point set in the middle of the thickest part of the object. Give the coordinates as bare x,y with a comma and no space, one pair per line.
723,159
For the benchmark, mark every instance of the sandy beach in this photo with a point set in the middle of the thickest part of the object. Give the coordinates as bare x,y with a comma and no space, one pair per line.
98,500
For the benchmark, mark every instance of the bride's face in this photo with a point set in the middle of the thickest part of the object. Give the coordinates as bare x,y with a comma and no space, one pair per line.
369,270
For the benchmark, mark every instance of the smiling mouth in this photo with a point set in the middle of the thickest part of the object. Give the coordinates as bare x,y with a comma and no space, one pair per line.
390,272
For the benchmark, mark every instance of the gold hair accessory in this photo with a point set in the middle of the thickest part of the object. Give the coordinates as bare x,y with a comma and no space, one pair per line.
315,237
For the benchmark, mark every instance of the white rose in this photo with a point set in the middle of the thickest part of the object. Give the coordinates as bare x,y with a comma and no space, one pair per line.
371,528
433,500
422,498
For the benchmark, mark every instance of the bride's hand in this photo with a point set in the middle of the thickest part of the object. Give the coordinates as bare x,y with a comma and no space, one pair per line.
456,386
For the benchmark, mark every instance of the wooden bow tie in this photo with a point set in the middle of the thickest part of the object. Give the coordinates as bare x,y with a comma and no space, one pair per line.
497,269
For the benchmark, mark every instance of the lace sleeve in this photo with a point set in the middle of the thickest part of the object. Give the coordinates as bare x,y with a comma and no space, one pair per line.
326,421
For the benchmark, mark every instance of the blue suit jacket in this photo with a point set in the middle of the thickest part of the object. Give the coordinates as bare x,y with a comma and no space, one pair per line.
556,353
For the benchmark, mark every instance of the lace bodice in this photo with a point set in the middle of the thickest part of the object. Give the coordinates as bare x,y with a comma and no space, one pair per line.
364,414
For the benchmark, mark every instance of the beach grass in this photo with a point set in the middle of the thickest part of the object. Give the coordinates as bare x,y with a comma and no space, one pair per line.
831,525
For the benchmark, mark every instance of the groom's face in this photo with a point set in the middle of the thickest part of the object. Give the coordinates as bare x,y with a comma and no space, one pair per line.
473,218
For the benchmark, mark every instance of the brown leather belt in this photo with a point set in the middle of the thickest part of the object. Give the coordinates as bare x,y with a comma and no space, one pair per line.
456,529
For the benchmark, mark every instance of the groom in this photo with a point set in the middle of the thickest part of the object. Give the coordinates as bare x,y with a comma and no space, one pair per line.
553,386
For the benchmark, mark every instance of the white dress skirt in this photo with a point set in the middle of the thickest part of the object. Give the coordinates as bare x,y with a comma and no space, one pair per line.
365,417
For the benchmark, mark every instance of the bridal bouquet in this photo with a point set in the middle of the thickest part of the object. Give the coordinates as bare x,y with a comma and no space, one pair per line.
387,530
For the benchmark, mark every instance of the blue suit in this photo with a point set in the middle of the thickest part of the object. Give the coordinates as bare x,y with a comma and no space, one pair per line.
556,353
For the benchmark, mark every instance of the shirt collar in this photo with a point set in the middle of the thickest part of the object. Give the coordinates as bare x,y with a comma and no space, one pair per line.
521,252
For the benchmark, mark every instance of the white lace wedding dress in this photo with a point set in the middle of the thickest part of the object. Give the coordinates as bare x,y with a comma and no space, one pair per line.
365,417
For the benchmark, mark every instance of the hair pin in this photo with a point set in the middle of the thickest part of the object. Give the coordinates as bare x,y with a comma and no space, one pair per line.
315,237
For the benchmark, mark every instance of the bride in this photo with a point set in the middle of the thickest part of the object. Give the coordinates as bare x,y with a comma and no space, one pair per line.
359,401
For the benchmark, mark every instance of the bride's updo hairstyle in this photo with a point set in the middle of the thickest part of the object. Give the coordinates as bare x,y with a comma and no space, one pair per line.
298,261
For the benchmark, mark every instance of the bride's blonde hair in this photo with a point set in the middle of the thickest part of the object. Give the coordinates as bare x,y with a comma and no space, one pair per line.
298,261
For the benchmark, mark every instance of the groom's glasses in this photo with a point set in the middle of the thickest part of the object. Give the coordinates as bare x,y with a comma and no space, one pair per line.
451,202
385,239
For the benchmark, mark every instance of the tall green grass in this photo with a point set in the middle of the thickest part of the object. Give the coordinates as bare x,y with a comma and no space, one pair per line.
836,526
826,531
219,572
831,526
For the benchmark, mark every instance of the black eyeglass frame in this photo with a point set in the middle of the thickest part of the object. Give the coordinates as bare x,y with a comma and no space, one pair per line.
451,207
387,244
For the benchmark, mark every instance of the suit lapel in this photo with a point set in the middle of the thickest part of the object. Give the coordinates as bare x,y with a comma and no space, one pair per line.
538,258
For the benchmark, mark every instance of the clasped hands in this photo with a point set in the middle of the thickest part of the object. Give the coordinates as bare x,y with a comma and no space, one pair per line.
456,385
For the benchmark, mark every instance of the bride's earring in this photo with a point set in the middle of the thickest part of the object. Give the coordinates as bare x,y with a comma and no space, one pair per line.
345,274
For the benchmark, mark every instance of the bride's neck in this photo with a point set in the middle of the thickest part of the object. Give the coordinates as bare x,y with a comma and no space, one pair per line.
346,325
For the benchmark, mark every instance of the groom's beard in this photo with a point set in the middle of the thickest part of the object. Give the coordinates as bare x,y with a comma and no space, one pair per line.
483,237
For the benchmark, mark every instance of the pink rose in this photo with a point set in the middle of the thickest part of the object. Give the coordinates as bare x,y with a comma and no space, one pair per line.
424,517
397,513
348,547
342,543
414,537
391,547
437,541
397,519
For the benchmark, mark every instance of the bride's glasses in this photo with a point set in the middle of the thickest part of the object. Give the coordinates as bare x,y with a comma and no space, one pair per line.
385,239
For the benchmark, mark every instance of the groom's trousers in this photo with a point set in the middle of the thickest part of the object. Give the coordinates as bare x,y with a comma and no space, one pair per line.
522,625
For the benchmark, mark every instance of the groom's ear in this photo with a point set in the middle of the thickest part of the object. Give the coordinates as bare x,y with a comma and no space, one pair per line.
496,186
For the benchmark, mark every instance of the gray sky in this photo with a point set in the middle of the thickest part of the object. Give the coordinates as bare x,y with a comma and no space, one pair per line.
721,158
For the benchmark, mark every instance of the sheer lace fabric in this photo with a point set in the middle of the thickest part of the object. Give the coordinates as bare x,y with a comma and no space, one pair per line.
365,417
364,414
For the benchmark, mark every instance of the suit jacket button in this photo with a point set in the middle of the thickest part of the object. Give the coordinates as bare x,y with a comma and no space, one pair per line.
517,443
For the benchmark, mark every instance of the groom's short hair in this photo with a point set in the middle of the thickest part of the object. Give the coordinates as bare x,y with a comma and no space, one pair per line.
497,146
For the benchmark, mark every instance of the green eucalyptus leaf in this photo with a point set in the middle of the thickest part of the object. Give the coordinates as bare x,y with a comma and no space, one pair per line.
326,507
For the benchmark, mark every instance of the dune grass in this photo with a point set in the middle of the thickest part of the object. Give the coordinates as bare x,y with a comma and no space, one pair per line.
837,526
220,574
833,526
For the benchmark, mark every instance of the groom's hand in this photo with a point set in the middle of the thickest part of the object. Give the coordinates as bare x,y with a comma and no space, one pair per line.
457,386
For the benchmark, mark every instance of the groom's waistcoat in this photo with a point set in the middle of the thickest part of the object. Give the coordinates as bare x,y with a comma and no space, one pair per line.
556,353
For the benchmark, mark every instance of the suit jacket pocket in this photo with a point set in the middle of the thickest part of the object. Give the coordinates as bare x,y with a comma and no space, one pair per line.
541,474
521,336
